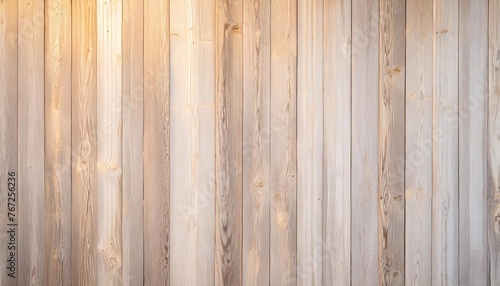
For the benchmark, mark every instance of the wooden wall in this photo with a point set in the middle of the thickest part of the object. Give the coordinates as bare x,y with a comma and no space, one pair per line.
250,142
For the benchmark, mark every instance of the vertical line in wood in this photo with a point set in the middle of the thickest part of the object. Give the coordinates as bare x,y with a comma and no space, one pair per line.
418,158
31,181
132,142
256,141
494,142
156,143
310,143
445,145
473,68
229,146
192,141
391,153
84,143
283,134
364,148
58,141
337,143
8,124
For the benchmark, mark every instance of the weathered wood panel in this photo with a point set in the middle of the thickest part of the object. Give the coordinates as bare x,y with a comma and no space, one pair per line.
58,142
418,158
229,142
31,155
156,143
283,136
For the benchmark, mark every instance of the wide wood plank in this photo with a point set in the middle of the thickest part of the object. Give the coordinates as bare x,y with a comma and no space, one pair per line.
8,130
192,141
391,151
337,143
494,142
445,145
109,142
473,68
84,143
58,142
31,261
310,142
256,140
364,146
156,143
418,165
283,169
229,142
132,142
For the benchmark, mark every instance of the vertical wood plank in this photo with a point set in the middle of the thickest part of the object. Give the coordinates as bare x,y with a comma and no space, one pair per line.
229,145
132,142
109,142
192,141
364,146
58,141
8,126
156,143
31,198
418,166
337,143
494,142
310,142
283,170
84,143
391,142
445,145
256,141
473,68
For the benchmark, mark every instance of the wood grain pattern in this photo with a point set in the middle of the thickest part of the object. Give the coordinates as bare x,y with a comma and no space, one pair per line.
337,143
309,142
58,142
8,120
31,190
192,129
418,158
391,138
109,139
156,143
283,128
84,143
473,68
256,141
494,142
445,145
132,142
229,142
364,158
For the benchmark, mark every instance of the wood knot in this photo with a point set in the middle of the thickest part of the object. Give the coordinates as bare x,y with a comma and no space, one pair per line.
236,29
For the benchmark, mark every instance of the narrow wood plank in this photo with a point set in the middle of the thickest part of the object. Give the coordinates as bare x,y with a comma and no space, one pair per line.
445,145
58,142
256,141
192,141
418,166
31,198
364,146
84,143
310,142
132,142
8,132
109,142
337,143
156,143
391,153
283,170
473,68
494,142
